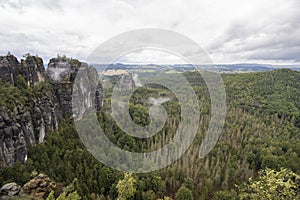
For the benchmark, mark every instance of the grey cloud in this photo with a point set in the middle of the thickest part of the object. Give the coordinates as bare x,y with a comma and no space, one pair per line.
290,54
46,44
272,39
227,29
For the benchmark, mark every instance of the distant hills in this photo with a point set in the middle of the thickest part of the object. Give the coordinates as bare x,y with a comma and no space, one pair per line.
222,68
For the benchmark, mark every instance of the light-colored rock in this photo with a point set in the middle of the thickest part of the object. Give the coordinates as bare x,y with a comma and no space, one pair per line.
9,190
40,187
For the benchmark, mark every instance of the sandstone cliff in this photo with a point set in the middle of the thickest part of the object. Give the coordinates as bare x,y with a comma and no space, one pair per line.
9,69
46,97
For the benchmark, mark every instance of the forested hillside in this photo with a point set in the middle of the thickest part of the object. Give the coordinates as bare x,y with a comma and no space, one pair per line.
261,139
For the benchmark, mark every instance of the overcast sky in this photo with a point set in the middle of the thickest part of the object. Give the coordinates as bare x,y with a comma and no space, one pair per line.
231,31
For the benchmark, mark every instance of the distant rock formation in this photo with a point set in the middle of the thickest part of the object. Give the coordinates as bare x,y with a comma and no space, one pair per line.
127,82
28,125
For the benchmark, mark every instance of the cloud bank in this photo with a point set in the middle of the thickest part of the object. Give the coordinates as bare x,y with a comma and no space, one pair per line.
231,31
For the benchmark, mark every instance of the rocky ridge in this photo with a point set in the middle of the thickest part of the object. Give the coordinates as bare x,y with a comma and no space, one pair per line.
27,123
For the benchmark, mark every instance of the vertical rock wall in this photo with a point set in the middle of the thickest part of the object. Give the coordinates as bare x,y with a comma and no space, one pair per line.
28,124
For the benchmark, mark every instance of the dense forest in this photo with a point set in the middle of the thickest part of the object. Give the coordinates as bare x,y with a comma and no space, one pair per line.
256,157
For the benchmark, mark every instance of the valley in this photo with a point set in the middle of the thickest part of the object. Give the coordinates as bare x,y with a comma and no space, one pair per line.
39,140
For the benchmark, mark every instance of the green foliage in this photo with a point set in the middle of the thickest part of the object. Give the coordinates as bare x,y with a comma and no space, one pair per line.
64,196
272,92
225,195
139,114
272,185
166,198
126,187
42,89
261,131
11,97
71,196
51,196
149,195
184,194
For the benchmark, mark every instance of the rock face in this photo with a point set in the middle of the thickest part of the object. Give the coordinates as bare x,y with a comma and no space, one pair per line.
8,69
99,97
32,69
44,116
23,125
61,73
16,132
10,189
40,187
28,124
127,82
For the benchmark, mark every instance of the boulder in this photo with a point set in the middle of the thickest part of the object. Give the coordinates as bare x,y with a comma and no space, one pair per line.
9,190
40,187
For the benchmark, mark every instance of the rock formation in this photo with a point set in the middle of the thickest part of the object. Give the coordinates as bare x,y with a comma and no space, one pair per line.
8,69
40,187
61,73
127,82
37,188
8,190
33,70
24,125
16,132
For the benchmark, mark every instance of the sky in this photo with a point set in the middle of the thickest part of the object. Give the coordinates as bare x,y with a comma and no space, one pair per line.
231,31
151,56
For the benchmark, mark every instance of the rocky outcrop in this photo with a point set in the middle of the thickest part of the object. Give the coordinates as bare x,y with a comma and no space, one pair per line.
9,190
16,133
63,69
28,124
33,70
44,116
37,188
61,73
99,97
126,82
8,69
22,125
40,187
